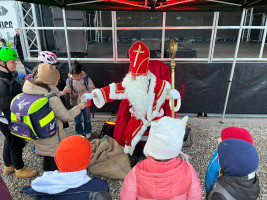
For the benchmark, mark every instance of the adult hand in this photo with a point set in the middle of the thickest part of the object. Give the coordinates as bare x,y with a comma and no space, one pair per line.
175,94
87,96
63,93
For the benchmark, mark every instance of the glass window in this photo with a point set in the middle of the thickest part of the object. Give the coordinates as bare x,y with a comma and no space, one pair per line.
128,37
249,49
189,19
264,54
48,16
229,18
225,43
139,19
258,17
191,43
100,45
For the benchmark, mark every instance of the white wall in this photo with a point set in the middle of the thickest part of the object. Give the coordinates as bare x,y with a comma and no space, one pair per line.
8,20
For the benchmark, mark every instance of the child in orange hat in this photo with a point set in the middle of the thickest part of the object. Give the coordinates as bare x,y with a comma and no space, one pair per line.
71,181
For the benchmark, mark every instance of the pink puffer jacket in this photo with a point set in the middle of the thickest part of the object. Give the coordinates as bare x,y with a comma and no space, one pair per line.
172,180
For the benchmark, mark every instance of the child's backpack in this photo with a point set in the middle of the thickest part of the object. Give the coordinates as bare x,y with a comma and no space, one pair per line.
86,80
31,117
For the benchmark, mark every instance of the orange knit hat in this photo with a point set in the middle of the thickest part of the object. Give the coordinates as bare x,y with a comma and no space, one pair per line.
73,154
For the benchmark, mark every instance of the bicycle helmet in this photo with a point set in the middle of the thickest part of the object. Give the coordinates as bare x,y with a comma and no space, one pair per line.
48,57
7,54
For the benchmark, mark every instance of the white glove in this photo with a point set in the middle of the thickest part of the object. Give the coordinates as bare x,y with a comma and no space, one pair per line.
87,96
175,94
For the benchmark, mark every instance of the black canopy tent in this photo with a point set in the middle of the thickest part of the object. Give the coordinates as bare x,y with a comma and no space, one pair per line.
153,5
160,6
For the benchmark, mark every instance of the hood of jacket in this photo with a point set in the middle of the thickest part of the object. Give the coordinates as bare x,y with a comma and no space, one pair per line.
31,88
81,192
54,182
163,180
241,187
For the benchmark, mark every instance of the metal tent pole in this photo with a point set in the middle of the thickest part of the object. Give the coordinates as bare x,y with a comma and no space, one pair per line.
213,35
163,34
66,36
114,36
234,62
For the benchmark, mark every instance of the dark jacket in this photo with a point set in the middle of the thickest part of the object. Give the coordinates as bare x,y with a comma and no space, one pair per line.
95,189
17,40
234,188
9,88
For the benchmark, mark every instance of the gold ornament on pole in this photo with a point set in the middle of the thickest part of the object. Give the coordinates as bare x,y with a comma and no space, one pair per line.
174,48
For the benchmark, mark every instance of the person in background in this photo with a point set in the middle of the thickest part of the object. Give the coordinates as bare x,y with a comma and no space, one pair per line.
238,180
50,58
13,145
17,45
163,175
71,182
213,169
8,44
3,41
77,84
45,84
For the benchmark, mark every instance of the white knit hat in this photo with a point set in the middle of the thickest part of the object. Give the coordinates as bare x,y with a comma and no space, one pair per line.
165,139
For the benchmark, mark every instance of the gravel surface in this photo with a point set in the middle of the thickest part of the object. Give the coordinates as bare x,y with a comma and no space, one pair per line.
204,131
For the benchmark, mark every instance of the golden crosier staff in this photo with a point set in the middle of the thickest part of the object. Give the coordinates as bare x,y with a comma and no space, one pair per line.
174,48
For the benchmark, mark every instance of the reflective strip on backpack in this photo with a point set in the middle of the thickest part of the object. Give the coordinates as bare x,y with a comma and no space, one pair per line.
47,119
26,120
22,136
39,103
13,117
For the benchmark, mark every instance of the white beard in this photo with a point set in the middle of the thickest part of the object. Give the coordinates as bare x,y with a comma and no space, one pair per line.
136,92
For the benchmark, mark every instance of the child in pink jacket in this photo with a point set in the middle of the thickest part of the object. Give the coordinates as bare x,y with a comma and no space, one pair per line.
163,175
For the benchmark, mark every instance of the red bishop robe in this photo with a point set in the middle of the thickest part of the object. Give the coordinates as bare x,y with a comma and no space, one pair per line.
160,70
136,127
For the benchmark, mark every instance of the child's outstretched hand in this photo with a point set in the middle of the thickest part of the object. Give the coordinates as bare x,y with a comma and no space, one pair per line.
82,106
73,95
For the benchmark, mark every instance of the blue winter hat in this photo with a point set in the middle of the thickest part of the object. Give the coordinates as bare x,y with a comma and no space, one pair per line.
237,157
